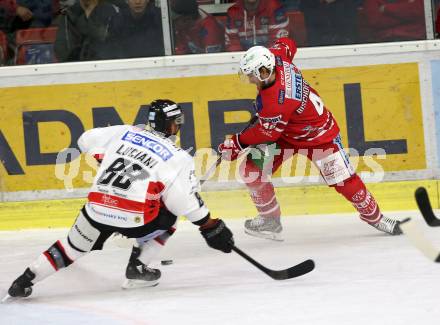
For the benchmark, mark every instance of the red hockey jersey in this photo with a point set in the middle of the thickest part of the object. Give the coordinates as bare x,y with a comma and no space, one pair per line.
290,111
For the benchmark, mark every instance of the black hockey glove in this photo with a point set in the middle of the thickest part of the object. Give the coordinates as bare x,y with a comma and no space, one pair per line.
217,235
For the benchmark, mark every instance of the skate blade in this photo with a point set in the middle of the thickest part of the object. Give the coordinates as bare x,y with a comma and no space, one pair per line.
266,235
7,299
134,284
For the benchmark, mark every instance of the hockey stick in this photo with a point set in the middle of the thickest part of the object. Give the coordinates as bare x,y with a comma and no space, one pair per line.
292,272
211,170
425,207
218,161
417,238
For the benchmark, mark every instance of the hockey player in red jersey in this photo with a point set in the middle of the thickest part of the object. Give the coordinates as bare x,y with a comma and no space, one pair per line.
255,22
144,181
293,116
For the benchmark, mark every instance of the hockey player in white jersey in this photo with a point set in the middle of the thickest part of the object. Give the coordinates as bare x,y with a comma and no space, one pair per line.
144,181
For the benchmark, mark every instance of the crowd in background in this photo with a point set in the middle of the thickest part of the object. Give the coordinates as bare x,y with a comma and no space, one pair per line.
42,31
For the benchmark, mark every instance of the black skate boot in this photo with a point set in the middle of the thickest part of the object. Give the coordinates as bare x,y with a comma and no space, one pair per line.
138,274
22,286
388,225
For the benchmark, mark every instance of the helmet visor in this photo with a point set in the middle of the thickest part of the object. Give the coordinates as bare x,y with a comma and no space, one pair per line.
179,120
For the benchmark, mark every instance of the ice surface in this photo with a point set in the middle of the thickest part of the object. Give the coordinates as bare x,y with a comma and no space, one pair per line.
361,277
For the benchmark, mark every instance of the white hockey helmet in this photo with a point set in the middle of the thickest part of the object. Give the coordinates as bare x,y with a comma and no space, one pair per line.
254,59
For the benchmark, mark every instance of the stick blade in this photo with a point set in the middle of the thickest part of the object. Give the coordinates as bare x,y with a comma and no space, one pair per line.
294,271
425,207
417,238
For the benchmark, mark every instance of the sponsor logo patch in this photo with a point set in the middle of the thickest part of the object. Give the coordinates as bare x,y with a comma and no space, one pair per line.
281,95
108,200
298,86
150,144
288,79
270,123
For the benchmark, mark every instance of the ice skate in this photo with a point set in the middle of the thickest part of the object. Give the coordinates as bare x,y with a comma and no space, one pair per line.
138,275
388,225
21,287
264,227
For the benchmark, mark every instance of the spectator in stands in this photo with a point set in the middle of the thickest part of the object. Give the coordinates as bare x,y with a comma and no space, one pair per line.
195,31
7,14
255,22
330,22
83,31
396,20
8,9
33,13
437,23
138,32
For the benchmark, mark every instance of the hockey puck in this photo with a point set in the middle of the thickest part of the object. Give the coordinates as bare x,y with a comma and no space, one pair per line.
166,262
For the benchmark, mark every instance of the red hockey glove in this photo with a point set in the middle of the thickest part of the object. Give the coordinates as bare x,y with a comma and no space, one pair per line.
288,45
231,148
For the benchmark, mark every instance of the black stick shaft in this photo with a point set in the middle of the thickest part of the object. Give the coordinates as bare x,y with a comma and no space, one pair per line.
249,259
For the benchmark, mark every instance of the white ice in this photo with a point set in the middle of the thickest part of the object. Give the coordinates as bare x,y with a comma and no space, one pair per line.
361,277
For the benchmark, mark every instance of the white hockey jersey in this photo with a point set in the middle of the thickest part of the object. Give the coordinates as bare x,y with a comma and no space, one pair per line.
140,171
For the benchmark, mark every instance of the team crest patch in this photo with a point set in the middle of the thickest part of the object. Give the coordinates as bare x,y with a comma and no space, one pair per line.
278,61
238,23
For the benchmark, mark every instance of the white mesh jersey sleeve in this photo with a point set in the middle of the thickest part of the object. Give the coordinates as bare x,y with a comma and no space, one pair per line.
98,139
181,196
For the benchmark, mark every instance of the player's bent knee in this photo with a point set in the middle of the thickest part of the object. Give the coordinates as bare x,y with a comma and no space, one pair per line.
350,187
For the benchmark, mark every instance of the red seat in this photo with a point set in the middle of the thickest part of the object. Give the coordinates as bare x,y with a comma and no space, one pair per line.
3,48
297,27
35,45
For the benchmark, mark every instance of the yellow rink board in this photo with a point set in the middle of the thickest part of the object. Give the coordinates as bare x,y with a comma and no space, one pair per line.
392,196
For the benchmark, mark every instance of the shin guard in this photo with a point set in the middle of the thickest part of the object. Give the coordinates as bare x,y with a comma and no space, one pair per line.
57,256
261,190
354,190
